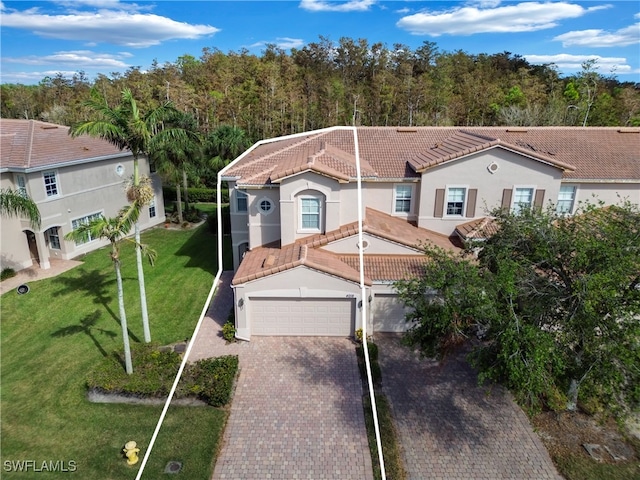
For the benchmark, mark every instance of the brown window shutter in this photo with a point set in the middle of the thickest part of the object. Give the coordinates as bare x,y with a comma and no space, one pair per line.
538,201
438,211
471,202
506,198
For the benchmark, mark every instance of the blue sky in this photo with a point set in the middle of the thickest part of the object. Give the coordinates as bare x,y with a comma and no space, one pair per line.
105,36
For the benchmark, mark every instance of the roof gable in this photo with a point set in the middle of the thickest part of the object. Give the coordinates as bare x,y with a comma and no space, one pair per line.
31,144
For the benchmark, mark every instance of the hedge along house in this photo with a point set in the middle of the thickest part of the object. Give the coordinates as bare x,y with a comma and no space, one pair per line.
71,180
294,215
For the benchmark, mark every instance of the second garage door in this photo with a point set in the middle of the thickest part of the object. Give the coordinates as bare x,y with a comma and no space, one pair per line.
388,314
329,317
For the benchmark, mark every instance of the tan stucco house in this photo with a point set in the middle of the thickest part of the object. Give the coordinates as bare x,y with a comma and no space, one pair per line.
71,180
294,210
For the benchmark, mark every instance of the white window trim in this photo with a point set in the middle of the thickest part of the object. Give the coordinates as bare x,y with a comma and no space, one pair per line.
522,187
573,202
411,199
44,184
235,202
265,212
464,201
152,205
56,235
320,228
101,212
22,188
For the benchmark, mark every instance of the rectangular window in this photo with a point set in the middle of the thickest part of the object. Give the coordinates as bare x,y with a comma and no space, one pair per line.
22,185
152,208
241,202
310,213
83,221
53,238
403,195
50,184
522,199
455,201
566,197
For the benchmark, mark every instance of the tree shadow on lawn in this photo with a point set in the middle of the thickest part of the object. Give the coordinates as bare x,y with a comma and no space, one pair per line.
202,250
96,285
87,326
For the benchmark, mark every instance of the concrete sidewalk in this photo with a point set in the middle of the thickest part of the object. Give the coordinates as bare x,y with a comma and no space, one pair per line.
35,273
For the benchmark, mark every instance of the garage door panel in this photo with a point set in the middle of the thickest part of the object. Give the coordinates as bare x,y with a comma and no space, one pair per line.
388,314
303,317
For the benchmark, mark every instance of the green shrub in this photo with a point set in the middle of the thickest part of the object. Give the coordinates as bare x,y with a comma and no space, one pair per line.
211,379
153,372
195,194
7,273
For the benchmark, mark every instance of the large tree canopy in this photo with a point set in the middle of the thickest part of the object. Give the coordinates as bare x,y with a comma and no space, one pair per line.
556,299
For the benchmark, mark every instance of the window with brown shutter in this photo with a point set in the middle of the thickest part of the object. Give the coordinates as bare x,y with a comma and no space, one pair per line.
538,201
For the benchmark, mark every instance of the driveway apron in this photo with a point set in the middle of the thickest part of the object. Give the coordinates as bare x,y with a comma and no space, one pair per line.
297,408
452,428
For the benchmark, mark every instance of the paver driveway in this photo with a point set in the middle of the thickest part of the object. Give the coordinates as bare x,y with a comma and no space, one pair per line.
452,429
297,409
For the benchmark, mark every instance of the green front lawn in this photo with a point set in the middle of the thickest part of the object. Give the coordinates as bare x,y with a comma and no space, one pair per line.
52,336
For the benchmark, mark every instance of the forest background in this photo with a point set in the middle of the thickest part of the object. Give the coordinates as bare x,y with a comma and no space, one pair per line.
348,82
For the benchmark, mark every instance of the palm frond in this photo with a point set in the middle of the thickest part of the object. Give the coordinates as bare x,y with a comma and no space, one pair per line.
14,204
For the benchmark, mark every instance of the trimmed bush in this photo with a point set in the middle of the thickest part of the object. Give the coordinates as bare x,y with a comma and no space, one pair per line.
154,371
212,379
7,273
195,194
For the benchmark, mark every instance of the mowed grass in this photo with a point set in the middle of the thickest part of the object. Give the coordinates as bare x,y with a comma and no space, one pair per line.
52,336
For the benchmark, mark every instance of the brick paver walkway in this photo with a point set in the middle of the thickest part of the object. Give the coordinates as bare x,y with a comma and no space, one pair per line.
452,429
297,409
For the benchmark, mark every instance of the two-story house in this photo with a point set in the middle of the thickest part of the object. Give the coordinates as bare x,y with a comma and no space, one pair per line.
294,210
71,180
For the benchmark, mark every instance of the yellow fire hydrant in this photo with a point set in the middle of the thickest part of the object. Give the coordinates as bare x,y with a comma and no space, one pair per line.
131,452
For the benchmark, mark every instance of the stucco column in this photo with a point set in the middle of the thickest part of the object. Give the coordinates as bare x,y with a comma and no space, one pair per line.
43,251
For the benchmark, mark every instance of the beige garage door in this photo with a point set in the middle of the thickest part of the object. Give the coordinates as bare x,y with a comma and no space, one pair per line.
328,317
388,314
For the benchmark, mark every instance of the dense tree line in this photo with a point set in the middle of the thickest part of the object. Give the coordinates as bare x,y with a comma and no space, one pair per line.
329,83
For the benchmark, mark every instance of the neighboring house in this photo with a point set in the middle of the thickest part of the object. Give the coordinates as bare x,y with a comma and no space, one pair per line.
71,180
294,210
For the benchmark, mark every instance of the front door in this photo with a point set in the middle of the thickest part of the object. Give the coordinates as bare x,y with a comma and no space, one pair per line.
33,246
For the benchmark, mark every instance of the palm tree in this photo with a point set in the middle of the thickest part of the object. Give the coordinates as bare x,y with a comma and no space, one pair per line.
126,127
13,203
171,158
224,144
115,230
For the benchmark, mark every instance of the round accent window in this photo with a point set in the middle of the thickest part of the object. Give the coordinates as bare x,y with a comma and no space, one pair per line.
265,206
493,167
365,244
120,170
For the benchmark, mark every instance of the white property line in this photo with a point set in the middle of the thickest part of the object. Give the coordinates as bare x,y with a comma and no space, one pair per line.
363,292
217,279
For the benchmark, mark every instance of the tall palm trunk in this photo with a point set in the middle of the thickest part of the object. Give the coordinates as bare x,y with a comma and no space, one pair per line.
123,319
143,293
186,193
179,202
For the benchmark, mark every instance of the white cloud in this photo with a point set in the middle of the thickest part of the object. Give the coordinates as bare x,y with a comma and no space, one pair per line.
467,20
284,43
329,6
600,38
30,78
566,62
74,58
106,26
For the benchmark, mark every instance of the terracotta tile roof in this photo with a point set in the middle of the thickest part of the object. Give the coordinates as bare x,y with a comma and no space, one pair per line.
385,226
478,228
264,261
261,262
387,267
30,144
591,153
